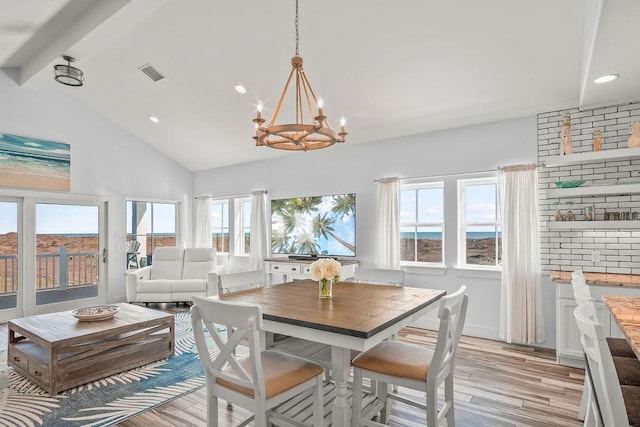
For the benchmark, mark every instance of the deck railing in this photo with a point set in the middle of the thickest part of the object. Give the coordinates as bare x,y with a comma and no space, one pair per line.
54,271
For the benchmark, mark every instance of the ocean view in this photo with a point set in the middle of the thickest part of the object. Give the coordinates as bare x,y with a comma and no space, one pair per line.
438,236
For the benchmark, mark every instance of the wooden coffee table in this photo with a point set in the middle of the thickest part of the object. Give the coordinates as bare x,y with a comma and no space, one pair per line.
57,351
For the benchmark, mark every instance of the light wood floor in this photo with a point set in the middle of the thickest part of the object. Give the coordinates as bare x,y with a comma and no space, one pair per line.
496,384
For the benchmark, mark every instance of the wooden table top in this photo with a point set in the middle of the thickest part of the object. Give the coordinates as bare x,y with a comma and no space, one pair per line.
61,326
357,309
626,311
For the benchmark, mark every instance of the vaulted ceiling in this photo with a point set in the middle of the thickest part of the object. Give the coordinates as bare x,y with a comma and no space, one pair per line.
392,68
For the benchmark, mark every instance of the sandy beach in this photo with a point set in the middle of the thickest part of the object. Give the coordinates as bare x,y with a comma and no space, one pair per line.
36,182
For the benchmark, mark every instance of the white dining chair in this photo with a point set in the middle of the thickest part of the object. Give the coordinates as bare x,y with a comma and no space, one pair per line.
233,282
618,347
259,381
378,276
413,366
617,405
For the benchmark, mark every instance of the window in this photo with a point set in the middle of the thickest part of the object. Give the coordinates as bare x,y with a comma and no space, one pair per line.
244,227
231,225
480,232
422,223
153,224
220,225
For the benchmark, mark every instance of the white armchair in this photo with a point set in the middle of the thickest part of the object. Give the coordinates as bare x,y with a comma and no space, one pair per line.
176,276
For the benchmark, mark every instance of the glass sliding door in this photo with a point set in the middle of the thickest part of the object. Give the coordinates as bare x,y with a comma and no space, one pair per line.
68,256
9,258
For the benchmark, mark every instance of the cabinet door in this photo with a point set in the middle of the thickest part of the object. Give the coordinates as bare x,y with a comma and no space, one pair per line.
568,339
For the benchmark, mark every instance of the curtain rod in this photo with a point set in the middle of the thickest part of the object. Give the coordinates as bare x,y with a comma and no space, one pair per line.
375,181
226,196
516,168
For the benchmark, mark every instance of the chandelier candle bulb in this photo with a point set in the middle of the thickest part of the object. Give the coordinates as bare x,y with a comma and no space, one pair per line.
320,106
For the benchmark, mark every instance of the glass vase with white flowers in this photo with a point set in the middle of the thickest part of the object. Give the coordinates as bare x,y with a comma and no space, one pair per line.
326,271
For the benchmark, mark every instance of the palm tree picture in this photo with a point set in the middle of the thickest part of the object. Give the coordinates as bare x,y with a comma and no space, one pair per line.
320,225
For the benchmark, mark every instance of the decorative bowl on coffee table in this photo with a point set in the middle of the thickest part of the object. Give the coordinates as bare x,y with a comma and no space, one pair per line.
96,312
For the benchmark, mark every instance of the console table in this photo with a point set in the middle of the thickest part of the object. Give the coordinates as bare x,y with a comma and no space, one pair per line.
290,269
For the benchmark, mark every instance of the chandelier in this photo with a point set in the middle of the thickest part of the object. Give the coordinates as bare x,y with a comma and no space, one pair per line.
298,136
66,74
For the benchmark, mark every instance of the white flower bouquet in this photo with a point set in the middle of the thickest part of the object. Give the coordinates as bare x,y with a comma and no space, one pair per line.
325,271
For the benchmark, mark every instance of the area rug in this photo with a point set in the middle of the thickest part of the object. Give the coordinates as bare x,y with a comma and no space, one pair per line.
110,400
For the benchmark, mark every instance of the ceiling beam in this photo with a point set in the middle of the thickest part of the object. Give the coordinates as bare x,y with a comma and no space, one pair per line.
593,12
79,29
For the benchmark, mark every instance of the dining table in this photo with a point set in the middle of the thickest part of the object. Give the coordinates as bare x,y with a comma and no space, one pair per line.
626,311
357,317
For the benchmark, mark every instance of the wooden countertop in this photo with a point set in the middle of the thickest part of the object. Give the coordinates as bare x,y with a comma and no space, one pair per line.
603,279
626,311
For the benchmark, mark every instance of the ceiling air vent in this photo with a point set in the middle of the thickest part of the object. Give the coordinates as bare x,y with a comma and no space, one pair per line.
151,72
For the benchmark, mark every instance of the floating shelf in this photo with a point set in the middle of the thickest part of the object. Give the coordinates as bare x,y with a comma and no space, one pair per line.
592,225
596,190
590,156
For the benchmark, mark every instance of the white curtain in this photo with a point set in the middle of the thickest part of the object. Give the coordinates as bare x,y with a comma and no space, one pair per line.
521,317
388,224
203,223
258,247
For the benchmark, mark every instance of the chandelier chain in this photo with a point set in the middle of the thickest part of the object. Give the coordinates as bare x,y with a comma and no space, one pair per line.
297,31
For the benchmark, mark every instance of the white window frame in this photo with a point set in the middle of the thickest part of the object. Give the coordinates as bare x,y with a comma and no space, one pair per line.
416,187
178,213
222,227
462,224
239,226
236,226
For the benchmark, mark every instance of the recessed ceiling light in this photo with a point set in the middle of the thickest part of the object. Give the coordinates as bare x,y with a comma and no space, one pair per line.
240,88
154,119
606,78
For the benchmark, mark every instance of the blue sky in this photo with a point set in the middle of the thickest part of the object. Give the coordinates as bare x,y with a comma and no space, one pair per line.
76,219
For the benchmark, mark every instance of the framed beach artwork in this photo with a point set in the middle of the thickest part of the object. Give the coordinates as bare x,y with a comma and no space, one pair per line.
34,163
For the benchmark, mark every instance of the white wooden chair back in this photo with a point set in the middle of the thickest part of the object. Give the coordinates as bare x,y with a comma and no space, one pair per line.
241,379
452,313
133,246
233,282
603,372
246,322
581,291
437,365
379,276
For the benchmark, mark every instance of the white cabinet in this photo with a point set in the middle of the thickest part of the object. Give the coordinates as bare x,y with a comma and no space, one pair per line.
568,346
289,269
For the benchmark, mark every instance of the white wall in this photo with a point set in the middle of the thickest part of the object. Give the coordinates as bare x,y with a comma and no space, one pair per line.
352,167
105,160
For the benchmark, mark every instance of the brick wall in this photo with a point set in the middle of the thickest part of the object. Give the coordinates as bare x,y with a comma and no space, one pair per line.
618,250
